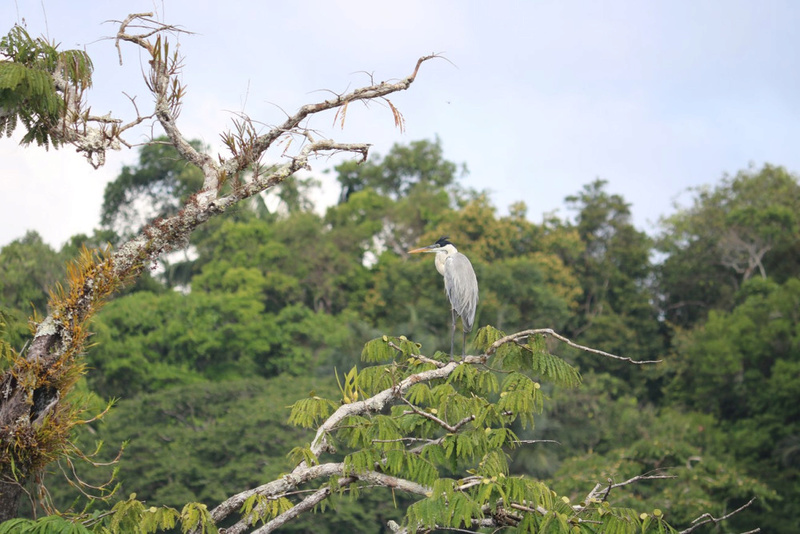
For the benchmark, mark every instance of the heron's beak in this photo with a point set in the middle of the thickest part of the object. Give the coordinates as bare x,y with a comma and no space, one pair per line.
430,248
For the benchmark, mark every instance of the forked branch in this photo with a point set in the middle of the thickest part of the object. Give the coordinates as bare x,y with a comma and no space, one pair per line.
708,518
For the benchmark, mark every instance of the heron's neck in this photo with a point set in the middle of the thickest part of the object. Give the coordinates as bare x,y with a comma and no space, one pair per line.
441,256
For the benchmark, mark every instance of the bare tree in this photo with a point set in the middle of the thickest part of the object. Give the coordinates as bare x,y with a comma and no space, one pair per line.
744,255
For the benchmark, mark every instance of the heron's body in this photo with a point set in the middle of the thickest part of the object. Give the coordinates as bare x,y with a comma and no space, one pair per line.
460,285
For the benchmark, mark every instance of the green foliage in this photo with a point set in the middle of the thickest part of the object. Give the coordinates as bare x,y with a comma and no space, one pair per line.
294,261
291,295
418,165
387,348
445,508
311,411
196,517
28,91
45,525
687,446
614,270
129,516
28,270
746,225
236,430
266,508
147,341
463,423
729,366
520,396
303,454
743,367
551,367
531,357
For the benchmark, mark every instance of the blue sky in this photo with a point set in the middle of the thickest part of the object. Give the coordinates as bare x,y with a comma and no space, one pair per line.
540,98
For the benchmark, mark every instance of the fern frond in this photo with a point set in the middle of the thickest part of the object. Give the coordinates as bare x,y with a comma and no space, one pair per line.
385,432
373,379
411,466
355,430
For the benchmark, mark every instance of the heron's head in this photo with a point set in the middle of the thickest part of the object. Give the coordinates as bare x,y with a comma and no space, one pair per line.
442,245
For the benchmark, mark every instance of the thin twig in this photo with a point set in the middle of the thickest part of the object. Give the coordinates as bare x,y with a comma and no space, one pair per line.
550,332
708,518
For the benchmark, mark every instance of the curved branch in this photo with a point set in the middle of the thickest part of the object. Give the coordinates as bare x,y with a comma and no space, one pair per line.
301,475
291,124
514,338
377,402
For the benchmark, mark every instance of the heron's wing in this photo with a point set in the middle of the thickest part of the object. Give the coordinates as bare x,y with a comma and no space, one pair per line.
461,287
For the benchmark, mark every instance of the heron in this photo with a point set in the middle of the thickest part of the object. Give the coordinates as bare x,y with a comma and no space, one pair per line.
460,285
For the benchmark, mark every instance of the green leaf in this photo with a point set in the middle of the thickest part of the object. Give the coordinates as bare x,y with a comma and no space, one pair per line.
377,350
303,454
552,367
521,397
311,411
486,336
195,517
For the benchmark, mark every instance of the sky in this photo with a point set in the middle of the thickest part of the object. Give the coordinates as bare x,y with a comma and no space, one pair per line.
537,98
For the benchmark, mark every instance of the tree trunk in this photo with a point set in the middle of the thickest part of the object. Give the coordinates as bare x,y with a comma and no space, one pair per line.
10,493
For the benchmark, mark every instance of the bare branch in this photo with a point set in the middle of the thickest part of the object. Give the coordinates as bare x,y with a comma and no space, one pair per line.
153,27
292,123
530,441
708,518
601,492
513,338
476,523
165,86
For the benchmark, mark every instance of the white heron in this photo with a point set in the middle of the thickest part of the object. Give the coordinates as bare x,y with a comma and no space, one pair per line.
460,285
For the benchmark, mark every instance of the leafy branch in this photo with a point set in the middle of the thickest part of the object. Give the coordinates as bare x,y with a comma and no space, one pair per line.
424,414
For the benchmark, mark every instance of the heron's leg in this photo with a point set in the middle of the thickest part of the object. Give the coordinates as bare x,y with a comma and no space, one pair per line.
453,334
463,344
